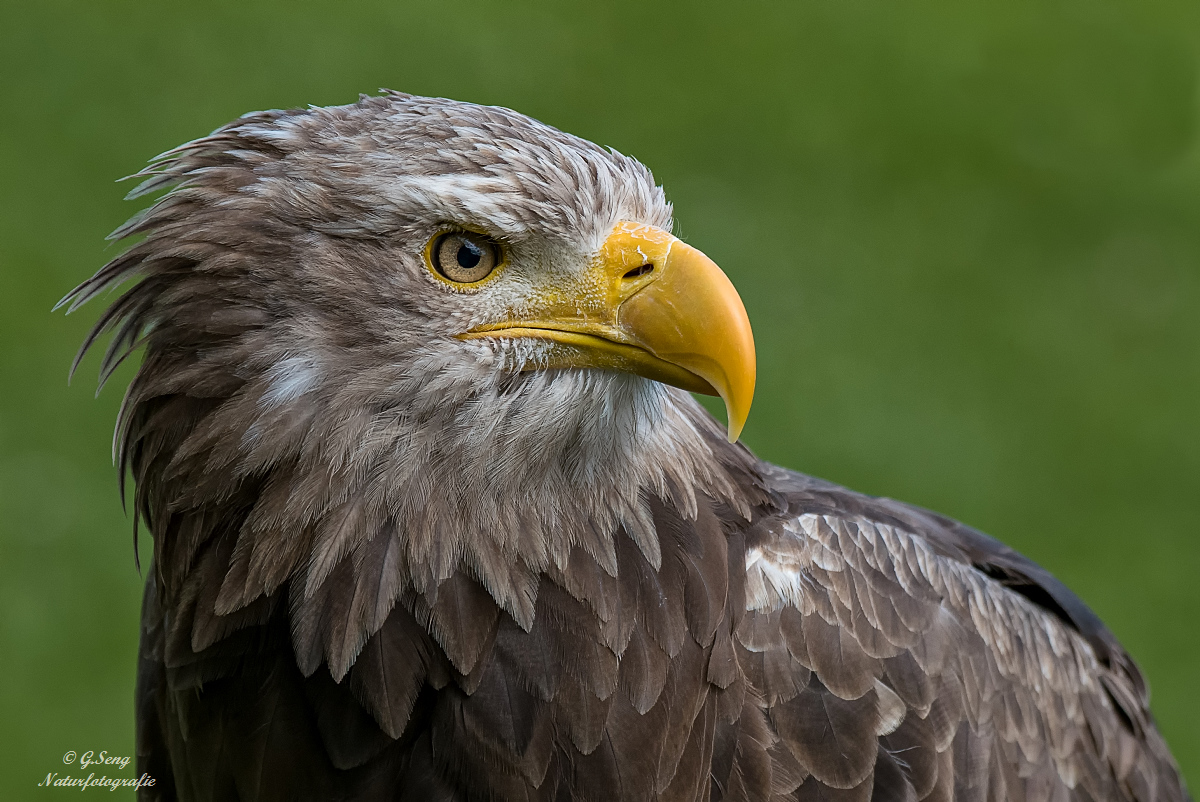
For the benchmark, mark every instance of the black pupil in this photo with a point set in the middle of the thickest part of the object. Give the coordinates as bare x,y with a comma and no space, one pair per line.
469,255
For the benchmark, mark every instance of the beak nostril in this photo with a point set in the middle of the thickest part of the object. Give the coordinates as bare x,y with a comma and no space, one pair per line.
639,271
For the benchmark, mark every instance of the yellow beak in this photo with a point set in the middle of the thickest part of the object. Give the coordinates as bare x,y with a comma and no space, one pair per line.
652,305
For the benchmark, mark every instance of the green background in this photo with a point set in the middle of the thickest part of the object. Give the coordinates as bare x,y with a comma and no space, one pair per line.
966,234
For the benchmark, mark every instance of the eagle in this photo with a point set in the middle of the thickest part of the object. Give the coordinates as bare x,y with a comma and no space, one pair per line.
436,516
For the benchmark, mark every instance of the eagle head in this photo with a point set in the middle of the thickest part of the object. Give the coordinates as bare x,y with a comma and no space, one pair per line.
421,315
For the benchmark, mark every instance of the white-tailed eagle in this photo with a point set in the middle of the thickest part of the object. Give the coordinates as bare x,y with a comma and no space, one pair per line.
435,516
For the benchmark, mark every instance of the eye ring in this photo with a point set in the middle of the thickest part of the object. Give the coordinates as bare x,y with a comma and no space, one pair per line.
463,257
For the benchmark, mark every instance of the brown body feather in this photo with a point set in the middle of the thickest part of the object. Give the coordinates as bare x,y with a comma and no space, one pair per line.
384,569
878,683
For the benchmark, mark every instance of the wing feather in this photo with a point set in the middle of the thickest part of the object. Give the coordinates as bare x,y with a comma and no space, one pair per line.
938,663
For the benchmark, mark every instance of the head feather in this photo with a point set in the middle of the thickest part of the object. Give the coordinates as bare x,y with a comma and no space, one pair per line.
302,393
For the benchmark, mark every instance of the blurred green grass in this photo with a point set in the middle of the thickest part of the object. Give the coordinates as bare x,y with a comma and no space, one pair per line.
966,234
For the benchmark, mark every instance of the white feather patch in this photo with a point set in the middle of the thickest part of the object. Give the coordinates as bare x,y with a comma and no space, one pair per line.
289,379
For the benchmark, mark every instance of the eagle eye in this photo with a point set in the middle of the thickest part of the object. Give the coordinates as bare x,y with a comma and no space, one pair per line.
464,257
